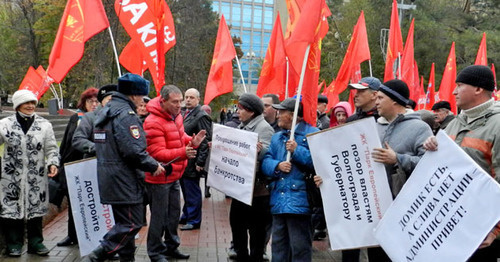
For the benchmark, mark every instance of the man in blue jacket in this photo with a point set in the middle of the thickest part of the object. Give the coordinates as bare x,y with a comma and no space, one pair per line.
292,229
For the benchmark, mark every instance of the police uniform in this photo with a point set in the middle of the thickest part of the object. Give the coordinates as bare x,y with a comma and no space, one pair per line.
120,144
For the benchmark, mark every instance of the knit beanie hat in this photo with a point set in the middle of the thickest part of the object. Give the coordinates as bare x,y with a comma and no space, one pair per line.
132,84
322,99
105,91
23,96
477,75
397,90
252,103
441,104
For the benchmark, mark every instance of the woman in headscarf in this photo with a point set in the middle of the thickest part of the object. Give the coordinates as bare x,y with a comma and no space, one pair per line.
88,102
339,114
30,153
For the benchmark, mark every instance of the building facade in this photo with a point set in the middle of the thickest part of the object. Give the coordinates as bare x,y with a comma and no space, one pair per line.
252,21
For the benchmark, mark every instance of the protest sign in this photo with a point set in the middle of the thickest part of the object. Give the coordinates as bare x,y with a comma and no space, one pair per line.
233,162
444,211
355,189
92,219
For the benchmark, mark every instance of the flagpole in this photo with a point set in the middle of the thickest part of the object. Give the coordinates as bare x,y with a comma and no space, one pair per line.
114,50
62,97
241,73
297,101
370,64
287,74
399,65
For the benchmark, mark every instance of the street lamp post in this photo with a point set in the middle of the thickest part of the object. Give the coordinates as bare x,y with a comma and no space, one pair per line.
250,56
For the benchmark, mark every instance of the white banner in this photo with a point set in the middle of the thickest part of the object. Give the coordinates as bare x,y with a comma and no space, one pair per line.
355,189
92,219
233,161
444,210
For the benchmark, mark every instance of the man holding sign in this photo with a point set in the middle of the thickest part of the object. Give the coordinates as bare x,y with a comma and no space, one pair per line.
256,218
403,134
292,229
475,131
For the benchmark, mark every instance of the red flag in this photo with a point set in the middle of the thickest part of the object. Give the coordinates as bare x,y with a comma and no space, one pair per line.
321,86
305,33
81,20
37,81
311,27
394,45
334,96
146,22
496,94
293,7
273,73
220,78
357,52
131,58
448,81
408,64
482,57
421,95
430,90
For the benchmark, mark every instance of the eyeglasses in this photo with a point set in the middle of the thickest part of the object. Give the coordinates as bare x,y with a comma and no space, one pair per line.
92,101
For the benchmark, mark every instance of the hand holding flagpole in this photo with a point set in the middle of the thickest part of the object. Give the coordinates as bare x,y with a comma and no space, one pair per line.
297,101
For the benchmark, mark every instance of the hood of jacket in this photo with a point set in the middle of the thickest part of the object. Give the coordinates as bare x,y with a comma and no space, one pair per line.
409,114
113,108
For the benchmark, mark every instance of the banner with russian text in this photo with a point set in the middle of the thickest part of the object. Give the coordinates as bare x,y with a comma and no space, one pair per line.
444,210
92,219
355,189
233,160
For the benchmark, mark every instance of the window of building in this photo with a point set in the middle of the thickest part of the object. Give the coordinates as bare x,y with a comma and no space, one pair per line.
247,16
257,17
236,15
268,18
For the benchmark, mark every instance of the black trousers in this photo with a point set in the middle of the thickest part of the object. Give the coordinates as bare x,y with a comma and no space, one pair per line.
121,238
71,222
250,221
14,233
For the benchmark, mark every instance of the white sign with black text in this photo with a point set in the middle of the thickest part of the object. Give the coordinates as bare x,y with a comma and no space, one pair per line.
92,219
444,211
233,159
355,189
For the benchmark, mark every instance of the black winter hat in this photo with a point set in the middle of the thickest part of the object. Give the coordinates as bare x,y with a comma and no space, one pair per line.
397,90
132,84
477,75
106,90
252,103
441,104
322,99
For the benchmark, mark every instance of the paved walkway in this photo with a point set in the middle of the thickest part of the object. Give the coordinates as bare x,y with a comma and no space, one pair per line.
209,243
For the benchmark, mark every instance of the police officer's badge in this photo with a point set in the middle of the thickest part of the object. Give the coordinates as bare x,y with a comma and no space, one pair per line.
134,131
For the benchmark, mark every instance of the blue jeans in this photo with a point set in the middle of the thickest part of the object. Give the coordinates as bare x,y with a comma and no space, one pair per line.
292,238
191,191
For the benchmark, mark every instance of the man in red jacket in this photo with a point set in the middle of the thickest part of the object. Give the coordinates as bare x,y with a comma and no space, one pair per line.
167,142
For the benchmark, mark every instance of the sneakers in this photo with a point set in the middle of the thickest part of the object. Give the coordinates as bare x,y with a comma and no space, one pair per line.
15,252
189,227
40,250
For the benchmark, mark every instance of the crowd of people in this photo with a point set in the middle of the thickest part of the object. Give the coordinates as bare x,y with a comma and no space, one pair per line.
150,151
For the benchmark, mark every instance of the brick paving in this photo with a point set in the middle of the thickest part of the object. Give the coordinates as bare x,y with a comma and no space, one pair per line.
209,243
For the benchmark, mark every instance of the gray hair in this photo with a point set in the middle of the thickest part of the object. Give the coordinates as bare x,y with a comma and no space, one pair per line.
169,89
195,91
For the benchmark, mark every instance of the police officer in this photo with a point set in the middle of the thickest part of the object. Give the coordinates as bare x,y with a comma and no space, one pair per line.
120,144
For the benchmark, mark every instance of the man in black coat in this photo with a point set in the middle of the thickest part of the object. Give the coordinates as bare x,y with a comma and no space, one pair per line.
195,120
120,144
